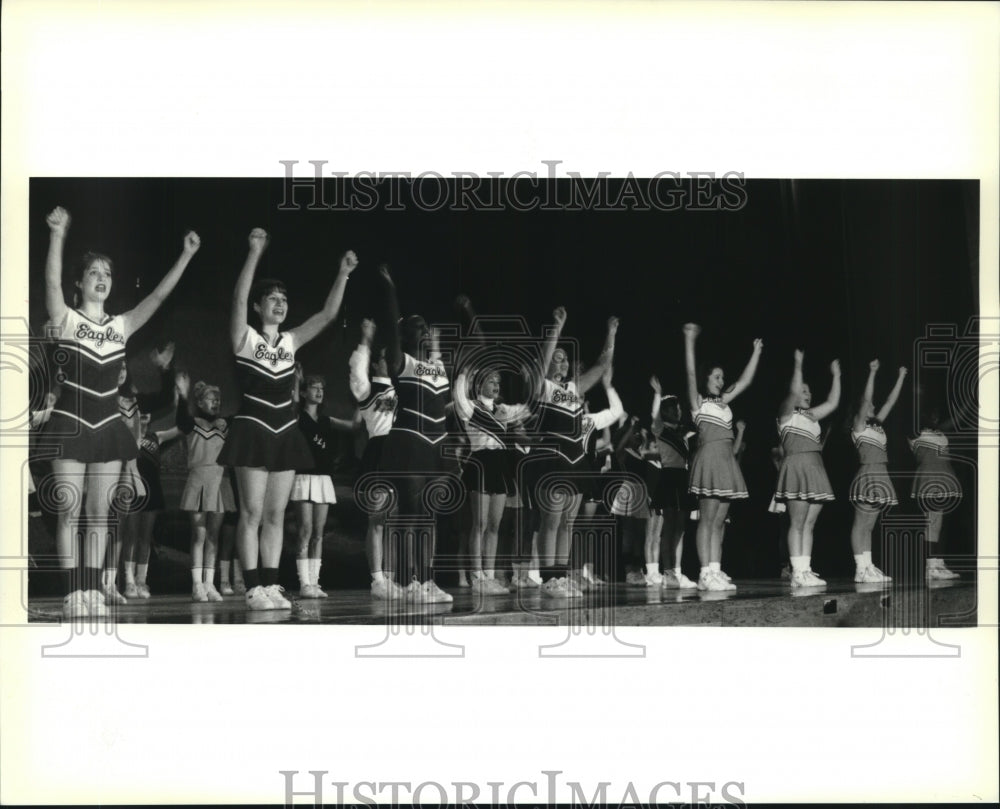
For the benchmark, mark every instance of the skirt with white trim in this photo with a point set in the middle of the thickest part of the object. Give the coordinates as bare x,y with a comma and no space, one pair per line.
314,489
872,486
208,489
715,473
803,477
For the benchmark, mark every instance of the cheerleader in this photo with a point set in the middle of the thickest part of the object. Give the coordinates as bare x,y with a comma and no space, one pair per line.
558,458
935,489
411,456
313,491
872,489
631,502
488,473
207,494
802,481
715,476
85,423
670,495
264,444
376,398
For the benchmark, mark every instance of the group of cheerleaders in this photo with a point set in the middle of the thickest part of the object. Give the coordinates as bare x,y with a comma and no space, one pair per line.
531,465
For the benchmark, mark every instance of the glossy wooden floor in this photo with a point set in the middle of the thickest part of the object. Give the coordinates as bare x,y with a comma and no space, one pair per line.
754,603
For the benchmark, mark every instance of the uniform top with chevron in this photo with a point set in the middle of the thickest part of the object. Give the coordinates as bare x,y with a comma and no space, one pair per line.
931,442
267,376
560,419
603,418
422,391
714,420
205,436
488,425
799,433
88,358
871,444
376,397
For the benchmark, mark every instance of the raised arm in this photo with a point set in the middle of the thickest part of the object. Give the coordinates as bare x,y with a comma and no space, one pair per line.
890,402
241,292
137,317
393,350
605,418
747,376
183,419
590,377
305,332
55,300
654,383
691,332
164,395
549,348
794,388
625,437
359,382
833,400
460,396
866,398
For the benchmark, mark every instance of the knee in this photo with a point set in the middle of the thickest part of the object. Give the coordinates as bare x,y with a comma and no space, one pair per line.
273,517
251,513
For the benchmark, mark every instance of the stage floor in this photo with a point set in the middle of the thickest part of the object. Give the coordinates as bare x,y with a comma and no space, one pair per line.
754,603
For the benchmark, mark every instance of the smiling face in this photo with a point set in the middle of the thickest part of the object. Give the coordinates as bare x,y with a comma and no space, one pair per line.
715,382
313,392
489,387
805,398
95,281
272,307
210,402
559,368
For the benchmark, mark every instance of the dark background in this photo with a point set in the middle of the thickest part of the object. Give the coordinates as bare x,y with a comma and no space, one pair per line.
846,269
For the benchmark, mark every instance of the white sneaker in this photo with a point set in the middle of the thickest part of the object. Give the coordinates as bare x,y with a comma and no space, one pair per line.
497,588
635,579
198,592
434,594
143,589
685,583
815,581
725,577
596,581
112,597
257,599
525,583
654,579
74,606
226,589
319,591
801,578
212,593
481,586
131,591
415,592
940,574
95,604
871,575
274,593
573,589
554,588
307,591
382,590
712,580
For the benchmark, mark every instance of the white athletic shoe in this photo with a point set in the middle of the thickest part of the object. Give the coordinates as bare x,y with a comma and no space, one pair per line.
654,579
383,590
198,592
227,589
74,606
95,604
685,583
871,575
143,589
554,588
940,574
635,579
212,593
725,577
307,591
131,591
497,588
713,581
274,594
257,599
596,581
320,593
434,594
112,597
526,583
801,578
481,586
415,593
815,580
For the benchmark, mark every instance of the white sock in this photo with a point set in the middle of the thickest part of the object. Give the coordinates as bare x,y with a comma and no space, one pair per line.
868,558
535,574
140,573
652,568
209,577
302,566
715,567
859,561
378,577
130,572
197,575
677,571
799,563
476,575
705,570
490,574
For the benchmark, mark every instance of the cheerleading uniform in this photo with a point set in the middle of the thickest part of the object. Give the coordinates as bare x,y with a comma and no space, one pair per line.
802,475
672,485
377,402
591,425
86,424
412,453
264,433
872,485
208,487
560,454
935,481
316,486
633,496
714,471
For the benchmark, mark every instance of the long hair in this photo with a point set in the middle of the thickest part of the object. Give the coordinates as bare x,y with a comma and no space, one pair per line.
83,265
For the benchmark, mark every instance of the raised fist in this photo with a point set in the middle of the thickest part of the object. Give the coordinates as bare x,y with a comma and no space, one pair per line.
183,383
191,242
758,344
692,329
902,371
58,221
874,365
258,240
654,383
349,262
799,354
559,315
835,367
383,270
613,324
368,329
